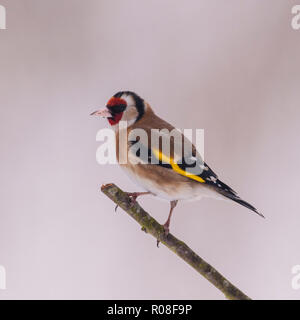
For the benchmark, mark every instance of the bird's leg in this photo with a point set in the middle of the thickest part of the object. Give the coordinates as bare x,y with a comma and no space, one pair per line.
133,196
167,224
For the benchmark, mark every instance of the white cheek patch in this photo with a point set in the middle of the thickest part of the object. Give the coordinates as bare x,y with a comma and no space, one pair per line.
129,100
129,114
130,122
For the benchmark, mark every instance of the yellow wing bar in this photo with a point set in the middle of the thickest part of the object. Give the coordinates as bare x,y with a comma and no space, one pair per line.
175,166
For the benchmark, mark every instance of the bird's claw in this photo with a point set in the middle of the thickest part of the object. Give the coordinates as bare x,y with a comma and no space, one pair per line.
166,230
132,199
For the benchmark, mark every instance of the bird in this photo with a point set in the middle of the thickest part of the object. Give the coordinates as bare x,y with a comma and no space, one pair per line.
177,175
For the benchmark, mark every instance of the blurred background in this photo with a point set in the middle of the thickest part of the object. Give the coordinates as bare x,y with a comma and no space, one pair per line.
231,68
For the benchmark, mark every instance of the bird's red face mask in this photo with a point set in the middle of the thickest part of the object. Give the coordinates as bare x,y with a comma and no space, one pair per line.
113,111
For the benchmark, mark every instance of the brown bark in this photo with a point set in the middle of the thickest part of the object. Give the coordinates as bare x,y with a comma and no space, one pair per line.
151,226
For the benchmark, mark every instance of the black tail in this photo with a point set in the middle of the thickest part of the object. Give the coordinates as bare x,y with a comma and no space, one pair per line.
245,204
230,194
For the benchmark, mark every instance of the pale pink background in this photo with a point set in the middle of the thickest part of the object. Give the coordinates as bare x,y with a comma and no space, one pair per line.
231,67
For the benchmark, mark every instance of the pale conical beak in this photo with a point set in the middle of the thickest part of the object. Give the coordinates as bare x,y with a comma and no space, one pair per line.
102,113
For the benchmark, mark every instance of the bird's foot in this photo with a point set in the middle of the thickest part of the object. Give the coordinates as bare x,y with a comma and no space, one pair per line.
166,229
132,197
166,232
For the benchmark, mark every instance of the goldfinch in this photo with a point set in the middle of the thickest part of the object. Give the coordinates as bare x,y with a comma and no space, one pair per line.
173,176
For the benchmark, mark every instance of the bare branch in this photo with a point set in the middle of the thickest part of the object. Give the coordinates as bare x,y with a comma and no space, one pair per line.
151,226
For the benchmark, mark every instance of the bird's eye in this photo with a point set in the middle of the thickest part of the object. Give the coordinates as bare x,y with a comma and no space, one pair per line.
117,109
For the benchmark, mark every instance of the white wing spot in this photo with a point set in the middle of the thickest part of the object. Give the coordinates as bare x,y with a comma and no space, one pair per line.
213,179
204,167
